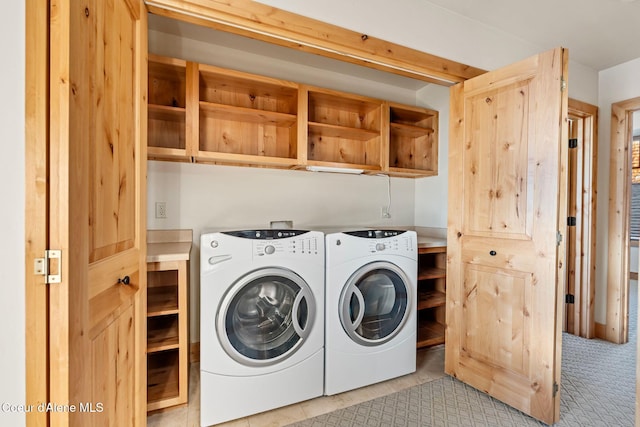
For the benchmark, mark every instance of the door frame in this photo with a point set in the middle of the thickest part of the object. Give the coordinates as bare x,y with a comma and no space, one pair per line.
617,326
36,205
581,245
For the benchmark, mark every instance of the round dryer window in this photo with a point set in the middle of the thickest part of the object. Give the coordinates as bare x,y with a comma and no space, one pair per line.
265,316
374,303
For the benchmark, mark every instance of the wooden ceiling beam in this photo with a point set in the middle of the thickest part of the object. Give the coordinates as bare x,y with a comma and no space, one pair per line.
276,26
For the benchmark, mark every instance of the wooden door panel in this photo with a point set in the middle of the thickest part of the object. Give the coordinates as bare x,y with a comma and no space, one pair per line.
497,318
113,151
498,198
506,189
111,354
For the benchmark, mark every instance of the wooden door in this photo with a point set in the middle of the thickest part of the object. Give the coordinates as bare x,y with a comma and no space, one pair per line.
97,211
507,205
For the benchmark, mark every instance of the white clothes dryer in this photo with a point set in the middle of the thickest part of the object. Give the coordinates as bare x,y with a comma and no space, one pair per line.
371,286
261,321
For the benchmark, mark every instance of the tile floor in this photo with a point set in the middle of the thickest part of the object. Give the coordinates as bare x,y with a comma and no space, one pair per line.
430,366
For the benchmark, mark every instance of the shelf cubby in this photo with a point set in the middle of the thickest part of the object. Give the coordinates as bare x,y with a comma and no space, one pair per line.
344,130
246,118
166,108
413,140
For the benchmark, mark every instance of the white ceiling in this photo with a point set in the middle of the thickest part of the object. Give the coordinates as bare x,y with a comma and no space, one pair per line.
598,33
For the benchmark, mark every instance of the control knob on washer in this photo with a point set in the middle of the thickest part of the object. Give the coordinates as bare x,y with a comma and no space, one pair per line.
269,249
379,246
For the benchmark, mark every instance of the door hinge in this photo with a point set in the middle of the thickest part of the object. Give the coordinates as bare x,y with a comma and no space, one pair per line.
571,221
558,238
569,299
563,84
42,266
573,143
555,388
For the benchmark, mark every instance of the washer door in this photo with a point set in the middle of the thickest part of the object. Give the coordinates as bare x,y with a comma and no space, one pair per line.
374,303
265,316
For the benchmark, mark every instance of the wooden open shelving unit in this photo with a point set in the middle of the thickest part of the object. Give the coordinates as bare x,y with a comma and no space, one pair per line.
432,275
167,113
207,114
413,140
167,318
344,130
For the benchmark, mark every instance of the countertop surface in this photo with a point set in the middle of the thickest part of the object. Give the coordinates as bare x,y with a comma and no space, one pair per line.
170,251
168,245
430,241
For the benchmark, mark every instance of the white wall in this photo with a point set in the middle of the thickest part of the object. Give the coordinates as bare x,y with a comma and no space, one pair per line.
12,300
431,192
616,84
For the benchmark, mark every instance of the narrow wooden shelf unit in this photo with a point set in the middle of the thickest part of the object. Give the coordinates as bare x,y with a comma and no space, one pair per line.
432,295
167,318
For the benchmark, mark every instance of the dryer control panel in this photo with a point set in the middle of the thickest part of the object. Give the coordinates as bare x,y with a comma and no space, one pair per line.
392,242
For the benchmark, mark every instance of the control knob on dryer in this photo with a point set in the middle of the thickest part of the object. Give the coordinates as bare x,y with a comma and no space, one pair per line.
379,246
269,249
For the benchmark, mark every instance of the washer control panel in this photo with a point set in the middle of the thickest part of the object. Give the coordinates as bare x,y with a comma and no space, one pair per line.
299,245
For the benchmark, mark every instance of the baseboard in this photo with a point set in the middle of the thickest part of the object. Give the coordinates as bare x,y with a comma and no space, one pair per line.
194,352
601,331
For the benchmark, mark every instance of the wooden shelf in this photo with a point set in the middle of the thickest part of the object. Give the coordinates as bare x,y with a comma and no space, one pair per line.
430,334
163,379
162,333
409,131
164,112
431,273
249,115
162,300
431,299
323,130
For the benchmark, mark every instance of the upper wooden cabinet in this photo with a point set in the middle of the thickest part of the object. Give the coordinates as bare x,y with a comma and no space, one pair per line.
208,114
246,119
167,108
344,130
413,141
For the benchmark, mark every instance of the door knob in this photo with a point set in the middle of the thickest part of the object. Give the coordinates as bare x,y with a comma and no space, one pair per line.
125,280
493,253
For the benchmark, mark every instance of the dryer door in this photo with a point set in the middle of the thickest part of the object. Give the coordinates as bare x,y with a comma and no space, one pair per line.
374,303
265,316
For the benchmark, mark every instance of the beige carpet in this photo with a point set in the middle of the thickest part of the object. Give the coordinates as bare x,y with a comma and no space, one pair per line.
597,389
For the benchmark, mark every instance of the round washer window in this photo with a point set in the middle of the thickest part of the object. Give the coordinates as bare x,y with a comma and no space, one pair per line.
265,316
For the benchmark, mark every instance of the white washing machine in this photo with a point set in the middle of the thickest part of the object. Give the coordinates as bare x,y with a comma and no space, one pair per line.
261,321
370,316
